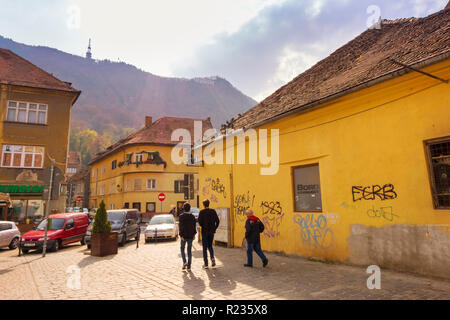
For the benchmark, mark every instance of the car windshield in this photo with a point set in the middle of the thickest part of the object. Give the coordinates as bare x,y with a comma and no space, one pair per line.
195,210
55,224
116,217
161,220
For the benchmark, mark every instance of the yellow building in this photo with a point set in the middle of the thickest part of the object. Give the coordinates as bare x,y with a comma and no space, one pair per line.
364,155
35,112
132,172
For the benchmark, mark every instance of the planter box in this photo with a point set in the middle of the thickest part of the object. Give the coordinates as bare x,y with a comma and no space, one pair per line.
104,244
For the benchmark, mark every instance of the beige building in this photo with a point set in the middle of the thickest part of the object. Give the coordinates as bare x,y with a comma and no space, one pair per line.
34,128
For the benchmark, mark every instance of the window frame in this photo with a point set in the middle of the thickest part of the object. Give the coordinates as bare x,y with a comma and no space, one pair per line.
16,108
113,164
154,184
293,187
146,206
431,174
22,153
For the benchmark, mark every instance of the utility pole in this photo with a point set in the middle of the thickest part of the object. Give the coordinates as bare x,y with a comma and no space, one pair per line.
44,249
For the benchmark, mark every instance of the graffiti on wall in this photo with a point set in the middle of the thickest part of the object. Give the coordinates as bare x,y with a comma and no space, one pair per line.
243,202
218,187
383,212
314,231
374,192
213,185
272,216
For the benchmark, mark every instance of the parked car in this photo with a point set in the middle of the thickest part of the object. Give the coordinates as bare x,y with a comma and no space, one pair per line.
124,221
161,226
9,235
64,228
195,211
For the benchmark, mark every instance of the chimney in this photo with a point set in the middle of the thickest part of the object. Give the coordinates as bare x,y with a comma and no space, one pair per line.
148,121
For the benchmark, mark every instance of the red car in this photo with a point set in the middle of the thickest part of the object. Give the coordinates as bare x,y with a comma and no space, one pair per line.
64,228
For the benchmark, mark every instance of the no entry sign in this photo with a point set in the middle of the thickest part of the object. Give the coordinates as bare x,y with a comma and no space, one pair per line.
161,197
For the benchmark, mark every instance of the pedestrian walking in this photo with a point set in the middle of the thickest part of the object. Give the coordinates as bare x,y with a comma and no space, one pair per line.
187,231
209,222
253,227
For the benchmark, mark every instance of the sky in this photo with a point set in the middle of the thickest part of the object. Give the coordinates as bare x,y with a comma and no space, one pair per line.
257,45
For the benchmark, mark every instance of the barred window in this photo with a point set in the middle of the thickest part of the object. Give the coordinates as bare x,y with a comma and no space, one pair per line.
14,156
438,152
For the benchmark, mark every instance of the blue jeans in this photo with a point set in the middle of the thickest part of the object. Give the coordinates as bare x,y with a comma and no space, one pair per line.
257,248
207,243
189,251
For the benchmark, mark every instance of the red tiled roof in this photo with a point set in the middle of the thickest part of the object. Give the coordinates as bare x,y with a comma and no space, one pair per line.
365,59
15,70
157,133
74,158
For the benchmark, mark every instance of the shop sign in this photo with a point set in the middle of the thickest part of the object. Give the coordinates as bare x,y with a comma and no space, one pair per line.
21,188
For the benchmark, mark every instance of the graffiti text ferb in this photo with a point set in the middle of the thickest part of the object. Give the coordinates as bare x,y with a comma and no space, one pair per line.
374,192
243,202
314,231
272,216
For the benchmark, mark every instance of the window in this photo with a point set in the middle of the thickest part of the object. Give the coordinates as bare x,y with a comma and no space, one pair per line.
26,112
137,205
22,156
111,206
103,169
5,226
102,190
138,157
150,207
438,152
112,188
178,186
113,164
151,184
128,158
71,170
126,205
137,184
93,173
307,193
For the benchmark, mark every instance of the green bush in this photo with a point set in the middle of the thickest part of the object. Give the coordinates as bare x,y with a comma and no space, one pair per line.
101,223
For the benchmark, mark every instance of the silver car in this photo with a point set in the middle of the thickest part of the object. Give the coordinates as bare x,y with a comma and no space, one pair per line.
161,226
9,235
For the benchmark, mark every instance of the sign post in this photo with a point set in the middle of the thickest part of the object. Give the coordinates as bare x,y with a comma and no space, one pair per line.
161,197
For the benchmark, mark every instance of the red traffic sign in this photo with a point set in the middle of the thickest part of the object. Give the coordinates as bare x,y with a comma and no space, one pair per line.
79,198
161,197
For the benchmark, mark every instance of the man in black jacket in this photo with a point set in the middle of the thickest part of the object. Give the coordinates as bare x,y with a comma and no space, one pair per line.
253,227
209,221
187,233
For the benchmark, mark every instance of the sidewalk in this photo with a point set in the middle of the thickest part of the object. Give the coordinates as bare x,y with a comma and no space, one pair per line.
153,271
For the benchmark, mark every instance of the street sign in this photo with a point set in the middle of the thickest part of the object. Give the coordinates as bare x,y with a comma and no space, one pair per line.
161,197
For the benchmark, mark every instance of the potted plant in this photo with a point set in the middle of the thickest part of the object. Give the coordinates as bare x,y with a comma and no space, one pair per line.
103,241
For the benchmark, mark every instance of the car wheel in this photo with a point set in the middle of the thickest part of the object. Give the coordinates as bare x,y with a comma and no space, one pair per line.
56,246
14,243
147,240
25,250
89,246
124,240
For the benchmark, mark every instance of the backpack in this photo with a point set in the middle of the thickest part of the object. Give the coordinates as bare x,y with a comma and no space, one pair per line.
261,226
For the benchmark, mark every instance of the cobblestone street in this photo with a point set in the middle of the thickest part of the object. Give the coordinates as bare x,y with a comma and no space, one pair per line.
153,271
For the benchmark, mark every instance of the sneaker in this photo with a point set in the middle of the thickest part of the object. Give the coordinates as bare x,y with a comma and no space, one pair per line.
184,266
265,262
248,265
213,262
188,268
205,266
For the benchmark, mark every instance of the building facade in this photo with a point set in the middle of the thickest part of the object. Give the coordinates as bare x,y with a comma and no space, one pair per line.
134,171
78,186
364,155
34,128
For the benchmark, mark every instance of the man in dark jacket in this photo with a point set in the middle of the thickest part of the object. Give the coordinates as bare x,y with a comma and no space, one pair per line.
253,227
209,221
187,233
